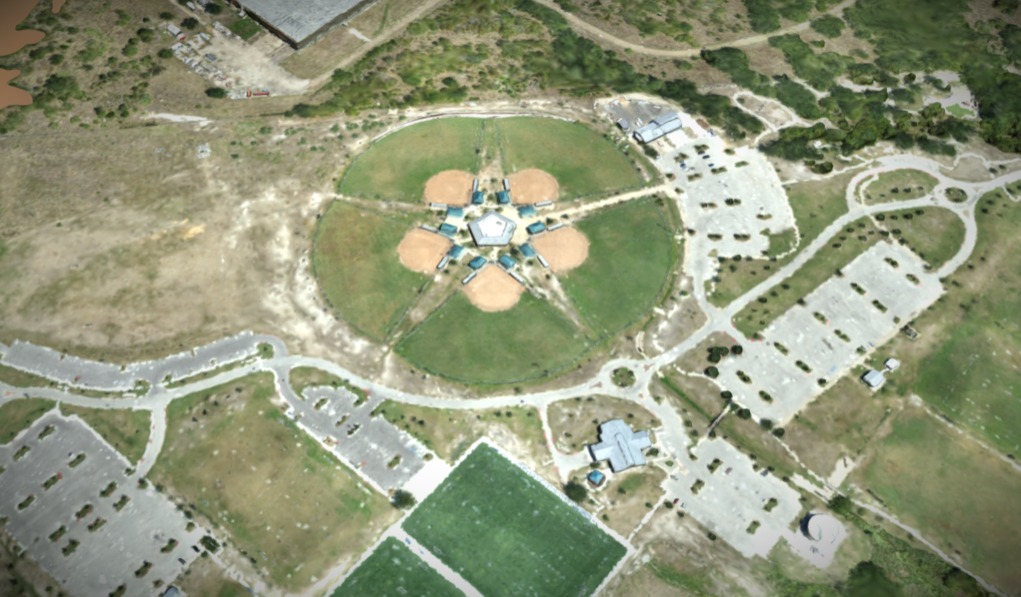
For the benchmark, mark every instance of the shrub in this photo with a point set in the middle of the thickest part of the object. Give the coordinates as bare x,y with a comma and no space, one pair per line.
576,492
216,92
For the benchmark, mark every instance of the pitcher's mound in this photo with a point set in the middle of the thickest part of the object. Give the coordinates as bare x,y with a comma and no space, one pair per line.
565,248
533,186
453,187
421,250
493,290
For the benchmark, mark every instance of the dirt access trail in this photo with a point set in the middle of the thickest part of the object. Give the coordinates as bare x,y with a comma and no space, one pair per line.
591,30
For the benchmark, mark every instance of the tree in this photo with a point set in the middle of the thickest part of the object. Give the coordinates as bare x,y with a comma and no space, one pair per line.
213,8
166,16
403,499
165,53
216,92
576,492
712,372
766,424
190,23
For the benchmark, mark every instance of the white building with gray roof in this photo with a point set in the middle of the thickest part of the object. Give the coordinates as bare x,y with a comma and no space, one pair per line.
620,445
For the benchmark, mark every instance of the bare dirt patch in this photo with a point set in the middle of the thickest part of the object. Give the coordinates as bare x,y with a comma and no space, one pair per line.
420,250
493,290
453,187
564,248
533,186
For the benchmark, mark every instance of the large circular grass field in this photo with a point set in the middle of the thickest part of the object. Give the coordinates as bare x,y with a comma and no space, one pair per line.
397,166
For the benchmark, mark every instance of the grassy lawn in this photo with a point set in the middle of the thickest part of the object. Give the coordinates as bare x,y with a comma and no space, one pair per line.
450,432
583,162
574,423
935,234
23,379
245,28
205,577
459,341
523,540
126,430
394,571
848,244
967,361
355,259
18,415
815,204
283,500
397,166
839,423
898,185
629,497
960,496
632,242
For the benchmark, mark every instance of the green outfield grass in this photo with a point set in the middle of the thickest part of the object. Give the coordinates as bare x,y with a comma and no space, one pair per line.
583,162
126,430
355,259
18,415
397,166
280,497
631,250
460,342
508,535
960,496
394,571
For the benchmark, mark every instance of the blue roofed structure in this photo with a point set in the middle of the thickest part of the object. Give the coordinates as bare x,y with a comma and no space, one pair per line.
456,251
621,446
527,250
527,210
596,478
503,197
478,198
477,262
455,212
535,227
448,230
507,262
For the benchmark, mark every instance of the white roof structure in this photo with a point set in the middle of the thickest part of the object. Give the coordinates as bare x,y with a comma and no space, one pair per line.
621,446
823,528
892,364
873,378
300,21
667,122
492,230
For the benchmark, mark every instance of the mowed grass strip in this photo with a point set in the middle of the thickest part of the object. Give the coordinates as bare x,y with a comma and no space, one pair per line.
126,430
956,493
899,185
355,259
394,571
460,342
397,166
582,161
507,534
632,252
284,501
18,415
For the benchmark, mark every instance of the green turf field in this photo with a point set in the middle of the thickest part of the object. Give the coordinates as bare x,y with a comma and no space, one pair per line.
461,342
507,534
632,243
583,162
960,496
355,259
397,166
394,571
18,415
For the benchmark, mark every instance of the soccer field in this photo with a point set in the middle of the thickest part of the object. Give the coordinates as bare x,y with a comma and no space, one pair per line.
507,534
394,571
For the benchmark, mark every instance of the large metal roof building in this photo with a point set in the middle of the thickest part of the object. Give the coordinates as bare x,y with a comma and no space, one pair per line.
492,230
661,125
299,22
621,446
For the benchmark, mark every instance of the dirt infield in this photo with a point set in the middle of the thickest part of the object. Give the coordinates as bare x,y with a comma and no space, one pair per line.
564,248
420,250
533,186
493,290
453,187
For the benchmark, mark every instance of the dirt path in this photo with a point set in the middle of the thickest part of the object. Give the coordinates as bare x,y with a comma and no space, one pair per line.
591,30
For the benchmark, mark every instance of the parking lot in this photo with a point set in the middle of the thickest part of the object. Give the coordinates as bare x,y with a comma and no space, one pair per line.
70,503
733,498
875,295
378,450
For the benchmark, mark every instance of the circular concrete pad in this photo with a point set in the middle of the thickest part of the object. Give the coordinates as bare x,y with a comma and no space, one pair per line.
533,186
493,290
565,248
452,187
421,250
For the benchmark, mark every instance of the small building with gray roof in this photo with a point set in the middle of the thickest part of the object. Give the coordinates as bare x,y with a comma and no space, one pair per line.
492,230
620,445
300,22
